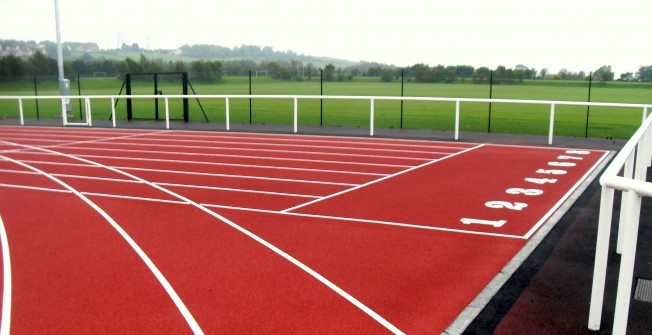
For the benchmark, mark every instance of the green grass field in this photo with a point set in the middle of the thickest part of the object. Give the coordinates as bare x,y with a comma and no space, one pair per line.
505,118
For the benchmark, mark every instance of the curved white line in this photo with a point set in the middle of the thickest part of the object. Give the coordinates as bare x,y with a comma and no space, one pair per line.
256,238
152,267
5,324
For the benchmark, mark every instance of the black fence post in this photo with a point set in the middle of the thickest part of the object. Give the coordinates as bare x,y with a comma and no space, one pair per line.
128,93
491,94
36,95
155,99
250,108
402,91
79,94
321,101
588,107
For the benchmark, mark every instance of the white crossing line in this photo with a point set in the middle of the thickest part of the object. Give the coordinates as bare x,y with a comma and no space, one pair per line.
381,179
189,318
378,222
192,323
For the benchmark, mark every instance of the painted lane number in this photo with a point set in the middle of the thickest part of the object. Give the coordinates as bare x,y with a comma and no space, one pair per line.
516,206
563,162
496,223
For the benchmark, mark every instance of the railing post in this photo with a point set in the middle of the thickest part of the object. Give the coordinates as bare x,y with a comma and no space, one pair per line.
644,114
20,111
296,118
113,111
167,113
457,120
601,257
625,277
87,106
228,126
552,123
371,117
628,172
64,113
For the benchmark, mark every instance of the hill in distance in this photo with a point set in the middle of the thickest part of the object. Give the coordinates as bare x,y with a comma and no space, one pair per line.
186,53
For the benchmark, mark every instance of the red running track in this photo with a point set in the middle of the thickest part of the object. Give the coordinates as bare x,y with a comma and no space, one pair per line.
122,231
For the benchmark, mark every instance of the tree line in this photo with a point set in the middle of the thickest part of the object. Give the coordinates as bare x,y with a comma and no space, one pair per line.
39,64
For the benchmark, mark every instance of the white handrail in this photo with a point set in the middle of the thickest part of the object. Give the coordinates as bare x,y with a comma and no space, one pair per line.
632,183
634,159
372,99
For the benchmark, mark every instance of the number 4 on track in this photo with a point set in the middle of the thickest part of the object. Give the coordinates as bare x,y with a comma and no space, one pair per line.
495,223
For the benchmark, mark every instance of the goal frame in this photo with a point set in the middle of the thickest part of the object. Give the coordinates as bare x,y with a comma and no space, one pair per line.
184,86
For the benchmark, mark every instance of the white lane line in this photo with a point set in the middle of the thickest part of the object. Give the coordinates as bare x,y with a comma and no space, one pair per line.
296,152
323,139
72,176
388,223
33,188
184,153
263,144
381,179
303,181
127,197
5,323
197,173
236,190
66,143
258,239
152,267
160,160
17,171
376,222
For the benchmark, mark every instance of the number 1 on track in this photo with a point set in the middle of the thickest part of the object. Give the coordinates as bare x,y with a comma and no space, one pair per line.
494,223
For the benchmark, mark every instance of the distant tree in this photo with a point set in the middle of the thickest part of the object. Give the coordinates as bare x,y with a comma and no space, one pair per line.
206,71
482,75
604,74
628,76
42,65
563,73
387,75
543,74
451,74
644,73
179,66
420,72
11,67
329,72
501,75
310,70
464,71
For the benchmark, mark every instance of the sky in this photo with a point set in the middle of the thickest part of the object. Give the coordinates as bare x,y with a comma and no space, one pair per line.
578,35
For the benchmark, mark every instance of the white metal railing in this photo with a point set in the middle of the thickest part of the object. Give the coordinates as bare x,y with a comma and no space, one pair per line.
295,98
633,160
